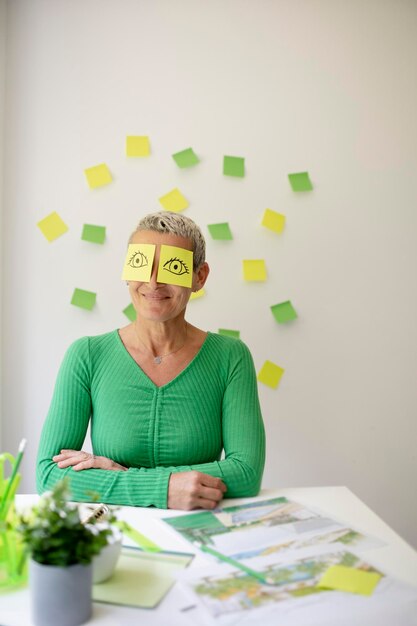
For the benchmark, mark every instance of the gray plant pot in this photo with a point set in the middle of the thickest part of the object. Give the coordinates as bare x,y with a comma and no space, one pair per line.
60,596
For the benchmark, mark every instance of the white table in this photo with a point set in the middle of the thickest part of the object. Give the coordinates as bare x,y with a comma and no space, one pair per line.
397,558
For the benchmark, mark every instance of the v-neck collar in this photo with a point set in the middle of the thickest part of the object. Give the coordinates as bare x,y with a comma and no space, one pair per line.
173,380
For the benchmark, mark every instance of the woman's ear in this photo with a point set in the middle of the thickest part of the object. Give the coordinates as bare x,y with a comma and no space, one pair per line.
200,276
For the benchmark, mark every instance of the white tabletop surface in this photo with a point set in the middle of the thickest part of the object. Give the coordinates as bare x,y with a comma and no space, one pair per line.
396,558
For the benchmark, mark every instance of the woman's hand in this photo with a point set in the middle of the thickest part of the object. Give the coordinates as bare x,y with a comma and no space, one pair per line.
193,490
80,460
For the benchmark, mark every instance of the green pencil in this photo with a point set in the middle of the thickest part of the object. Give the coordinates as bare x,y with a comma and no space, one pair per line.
226,559
12,476
143,542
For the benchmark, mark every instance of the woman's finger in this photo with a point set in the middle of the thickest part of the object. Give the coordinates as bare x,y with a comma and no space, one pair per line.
212,481
87,464
75,459
203,503
208,493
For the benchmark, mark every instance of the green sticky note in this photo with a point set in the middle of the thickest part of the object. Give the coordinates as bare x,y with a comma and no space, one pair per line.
229,333
270,374
349,579
83,299
254,270
273,220
130,312
234,166
284,312
94,234
300,181
186,158
220,231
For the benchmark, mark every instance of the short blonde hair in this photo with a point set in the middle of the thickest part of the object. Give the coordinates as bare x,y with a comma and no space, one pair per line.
175,224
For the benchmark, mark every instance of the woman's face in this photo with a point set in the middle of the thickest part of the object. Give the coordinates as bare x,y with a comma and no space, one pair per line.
159,301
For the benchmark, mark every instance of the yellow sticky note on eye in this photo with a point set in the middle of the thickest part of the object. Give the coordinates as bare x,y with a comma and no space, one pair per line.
197,294
137,146
175,266
52,226
273,220
138,262
270,374
174,201
349,579
98,176
254,270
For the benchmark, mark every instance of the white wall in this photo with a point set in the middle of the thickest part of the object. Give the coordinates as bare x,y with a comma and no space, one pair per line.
2,106
324,85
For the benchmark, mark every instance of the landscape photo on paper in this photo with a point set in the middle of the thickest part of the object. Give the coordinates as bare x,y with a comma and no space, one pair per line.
348,537
235,591
226,525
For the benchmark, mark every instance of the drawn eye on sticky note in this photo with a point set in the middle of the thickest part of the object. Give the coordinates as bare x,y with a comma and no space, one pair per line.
175,266
138,262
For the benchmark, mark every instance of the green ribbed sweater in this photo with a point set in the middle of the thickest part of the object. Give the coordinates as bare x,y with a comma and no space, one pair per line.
184,425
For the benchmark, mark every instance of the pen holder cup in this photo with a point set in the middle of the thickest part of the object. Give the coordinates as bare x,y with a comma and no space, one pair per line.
13,560
104,564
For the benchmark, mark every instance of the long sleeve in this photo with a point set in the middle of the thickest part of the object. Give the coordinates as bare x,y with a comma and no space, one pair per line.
66,427
242,430
210,407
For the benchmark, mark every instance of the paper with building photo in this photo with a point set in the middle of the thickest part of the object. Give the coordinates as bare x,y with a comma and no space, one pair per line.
246,528
348,537
226,596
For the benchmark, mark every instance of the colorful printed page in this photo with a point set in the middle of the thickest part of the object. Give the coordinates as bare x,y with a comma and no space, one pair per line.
240,528
224,591
141,579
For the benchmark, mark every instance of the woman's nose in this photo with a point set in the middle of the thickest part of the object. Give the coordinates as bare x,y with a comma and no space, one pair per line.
152,281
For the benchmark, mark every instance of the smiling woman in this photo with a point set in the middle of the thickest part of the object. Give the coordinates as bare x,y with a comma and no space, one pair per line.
165,399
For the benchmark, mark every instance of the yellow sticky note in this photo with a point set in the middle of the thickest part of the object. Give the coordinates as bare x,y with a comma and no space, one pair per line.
273,220
254,269
197,294
270,374
137,146
138,262
349,579
98,176
175,266
52,226
174,201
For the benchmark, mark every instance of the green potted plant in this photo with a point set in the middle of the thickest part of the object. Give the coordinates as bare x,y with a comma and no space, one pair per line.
61,549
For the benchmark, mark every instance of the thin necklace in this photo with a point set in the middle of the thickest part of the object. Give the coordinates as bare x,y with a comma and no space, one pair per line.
158,359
